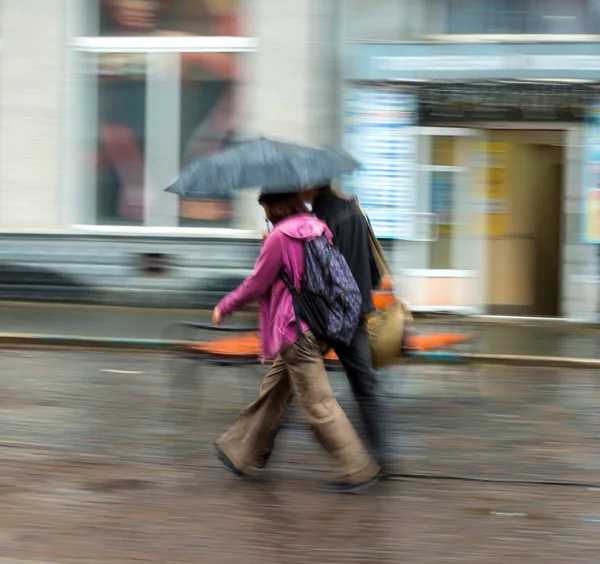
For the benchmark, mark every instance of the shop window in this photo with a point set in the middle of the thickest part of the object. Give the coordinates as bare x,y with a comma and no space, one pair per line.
521,17
118,157
208,118
159,86
166,17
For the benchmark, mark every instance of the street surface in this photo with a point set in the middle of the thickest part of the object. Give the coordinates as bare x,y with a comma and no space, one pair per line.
105,458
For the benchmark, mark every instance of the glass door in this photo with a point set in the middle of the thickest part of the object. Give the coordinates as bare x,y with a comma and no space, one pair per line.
448,261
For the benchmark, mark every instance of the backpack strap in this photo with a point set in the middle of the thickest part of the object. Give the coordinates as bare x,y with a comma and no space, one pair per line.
286,280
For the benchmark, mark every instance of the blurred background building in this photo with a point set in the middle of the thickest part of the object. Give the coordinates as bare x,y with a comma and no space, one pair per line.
475,122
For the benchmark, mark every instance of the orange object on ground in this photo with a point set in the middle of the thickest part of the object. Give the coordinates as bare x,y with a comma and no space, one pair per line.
240,346
384,296
331,356
425,343
383,300
248,345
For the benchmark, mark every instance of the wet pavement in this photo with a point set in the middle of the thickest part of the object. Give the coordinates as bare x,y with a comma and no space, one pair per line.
105,458
547,340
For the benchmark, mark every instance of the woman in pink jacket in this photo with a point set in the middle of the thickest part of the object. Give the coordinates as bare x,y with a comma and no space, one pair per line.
298,369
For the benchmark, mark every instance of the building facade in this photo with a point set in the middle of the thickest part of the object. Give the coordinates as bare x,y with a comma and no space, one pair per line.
474,125
102,102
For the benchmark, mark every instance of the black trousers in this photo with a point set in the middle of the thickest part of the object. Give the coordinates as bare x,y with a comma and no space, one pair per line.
364,382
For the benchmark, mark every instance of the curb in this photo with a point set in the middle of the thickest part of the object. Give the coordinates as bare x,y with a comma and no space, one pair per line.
506,321
439,317
505,360
65,342
19,340
532,361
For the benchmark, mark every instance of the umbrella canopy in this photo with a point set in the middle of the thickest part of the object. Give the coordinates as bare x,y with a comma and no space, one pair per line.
273,166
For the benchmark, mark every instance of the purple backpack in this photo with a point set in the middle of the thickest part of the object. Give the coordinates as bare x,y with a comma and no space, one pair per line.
329,301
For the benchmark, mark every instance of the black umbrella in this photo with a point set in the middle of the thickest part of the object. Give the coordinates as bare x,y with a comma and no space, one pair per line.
271,165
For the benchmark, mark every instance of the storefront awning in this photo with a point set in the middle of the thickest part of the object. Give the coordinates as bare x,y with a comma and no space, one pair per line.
473,61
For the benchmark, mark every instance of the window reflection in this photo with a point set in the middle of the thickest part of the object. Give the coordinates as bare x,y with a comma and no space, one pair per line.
170,17
207,121
127,99
121,134
521,17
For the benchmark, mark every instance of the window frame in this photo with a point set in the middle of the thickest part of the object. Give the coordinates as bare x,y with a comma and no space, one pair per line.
524,35
161,162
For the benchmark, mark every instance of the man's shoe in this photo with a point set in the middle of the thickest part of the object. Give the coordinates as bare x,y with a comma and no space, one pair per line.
225,461
353,487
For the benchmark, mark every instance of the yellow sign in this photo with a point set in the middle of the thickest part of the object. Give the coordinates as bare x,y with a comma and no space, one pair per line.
591,178
494,189
442,199
592,215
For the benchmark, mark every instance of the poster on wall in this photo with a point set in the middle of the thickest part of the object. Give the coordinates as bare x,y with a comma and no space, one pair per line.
442,199
378,133
592,216
591,178
170,17
493,188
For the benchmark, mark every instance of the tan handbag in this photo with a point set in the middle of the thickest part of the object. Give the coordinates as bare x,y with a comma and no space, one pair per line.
389,327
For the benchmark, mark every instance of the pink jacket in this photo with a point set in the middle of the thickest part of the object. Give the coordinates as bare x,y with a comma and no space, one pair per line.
282,250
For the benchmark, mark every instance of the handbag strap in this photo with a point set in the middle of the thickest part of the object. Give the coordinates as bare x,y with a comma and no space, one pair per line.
292,289
378,254
384,269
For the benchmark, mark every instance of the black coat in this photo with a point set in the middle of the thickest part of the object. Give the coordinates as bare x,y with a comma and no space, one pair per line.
351,237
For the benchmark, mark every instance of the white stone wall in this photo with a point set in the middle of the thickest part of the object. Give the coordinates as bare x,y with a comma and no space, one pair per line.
291,91
32,84
293,77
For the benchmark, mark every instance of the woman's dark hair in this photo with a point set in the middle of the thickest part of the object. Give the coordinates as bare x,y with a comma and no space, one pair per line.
282,206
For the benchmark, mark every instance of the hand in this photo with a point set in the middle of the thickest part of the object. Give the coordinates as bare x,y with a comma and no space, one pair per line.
217,317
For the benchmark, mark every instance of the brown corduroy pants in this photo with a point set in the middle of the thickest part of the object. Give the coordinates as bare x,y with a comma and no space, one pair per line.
298,372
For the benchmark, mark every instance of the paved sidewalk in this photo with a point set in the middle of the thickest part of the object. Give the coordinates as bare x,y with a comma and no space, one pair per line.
97,322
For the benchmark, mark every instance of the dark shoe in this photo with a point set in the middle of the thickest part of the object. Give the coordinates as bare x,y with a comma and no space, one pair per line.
225,461
352,487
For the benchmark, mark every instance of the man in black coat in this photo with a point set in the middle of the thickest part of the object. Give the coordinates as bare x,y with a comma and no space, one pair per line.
351,236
